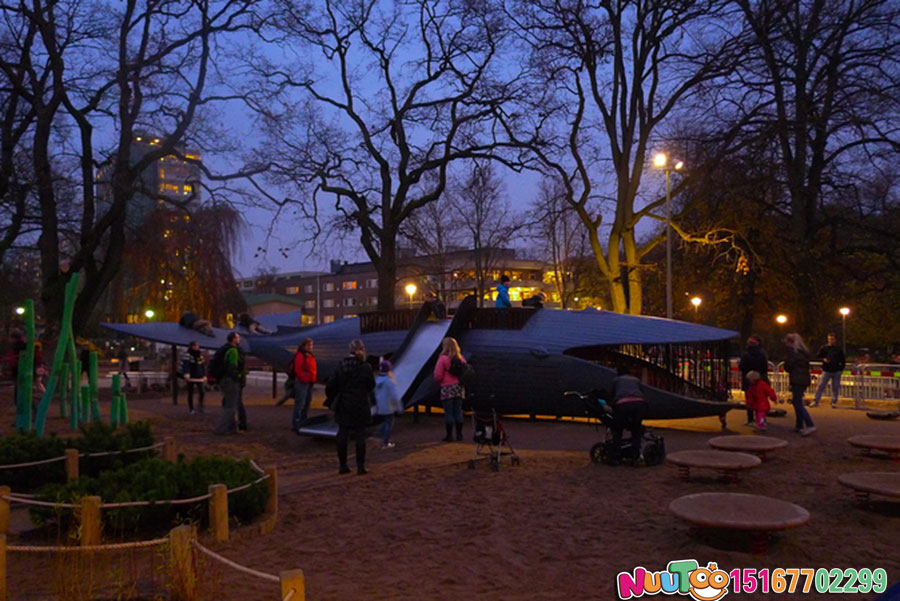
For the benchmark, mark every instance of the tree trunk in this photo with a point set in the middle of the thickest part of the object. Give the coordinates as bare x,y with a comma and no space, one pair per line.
386,266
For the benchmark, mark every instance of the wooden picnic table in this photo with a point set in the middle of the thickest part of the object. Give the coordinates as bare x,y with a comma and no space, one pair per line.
865,483
727,463
889,443
757,445
756,514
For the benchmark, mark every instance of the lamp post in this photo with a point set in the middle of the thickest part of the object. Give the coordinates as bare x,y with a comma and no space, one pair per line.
844,311
410,290
696,301
149,313
661,161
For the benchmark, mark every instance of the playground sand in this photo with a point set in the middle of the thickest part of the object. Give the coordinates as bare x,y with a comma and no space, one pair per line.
422,526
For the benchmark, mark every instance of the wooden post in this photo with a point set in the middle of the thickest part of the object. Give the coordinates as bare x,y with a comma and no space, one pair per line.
293,580
4,510
169,453
272,485
181,563
3,567
71,464
90,521
218,512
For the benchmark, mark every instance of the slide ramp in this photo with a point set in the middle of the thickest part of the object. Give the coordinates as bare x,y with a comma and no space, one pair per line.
416,356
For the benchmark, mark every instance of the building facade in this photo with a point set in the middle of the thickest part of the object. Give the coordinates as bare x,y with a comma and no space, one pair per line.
349,289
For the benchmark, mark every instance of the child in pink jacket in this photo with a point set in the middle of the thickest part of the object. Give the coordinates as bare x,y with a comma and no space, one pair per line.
758,395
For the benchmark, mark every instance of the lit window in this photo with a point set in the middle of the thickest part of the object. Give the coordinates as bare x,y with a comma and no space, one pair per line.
162,173
188,188
328,303
349,285
328,287
192,157
327,318
350,302
292,290
350,315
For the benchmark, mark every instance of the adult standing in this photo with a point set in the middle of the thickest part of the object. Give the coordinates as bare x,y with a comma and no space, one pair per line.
304,379
753,359
833,362
797,366
232,385
349,394
452,391
122,356
193,368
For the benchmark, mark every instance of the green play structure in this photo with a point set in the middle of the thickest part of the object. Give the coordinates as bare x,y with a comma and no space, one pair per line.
78,403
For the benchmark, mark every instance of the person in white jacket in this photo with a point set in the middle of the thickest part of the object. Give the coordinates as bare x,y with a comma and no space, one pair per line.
387,402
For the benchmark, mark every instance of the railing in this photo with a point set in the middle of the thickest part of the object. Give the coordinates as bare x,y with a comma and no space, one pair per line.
385,321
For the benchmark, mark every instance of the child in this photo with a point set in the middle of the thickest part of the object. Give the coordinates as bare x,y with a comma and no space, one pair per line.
387,402
758,395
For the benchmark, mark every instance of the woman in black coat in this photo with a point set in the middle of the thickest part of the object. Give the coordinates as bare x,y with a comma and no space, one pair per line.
349,394
796,364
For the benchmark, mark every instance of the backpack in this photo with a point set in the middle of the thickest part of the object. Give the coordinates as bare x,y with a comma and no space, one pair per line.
217,363
461,370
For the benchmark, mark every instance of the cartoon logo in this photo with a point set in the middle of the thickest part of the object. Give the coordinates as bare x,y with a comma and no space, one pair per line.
684,577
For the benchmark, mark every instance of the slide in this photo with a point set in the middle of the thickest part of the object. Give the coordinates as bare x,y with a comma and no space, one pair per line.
408,365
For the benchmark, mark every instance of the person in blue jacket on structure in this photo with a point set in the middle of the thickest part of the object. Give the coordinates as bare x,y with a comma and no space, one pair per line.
503,293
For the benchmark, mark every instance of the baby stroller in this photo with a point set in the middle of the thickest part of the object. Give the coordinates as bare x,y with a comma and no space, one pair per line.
653,448
491,435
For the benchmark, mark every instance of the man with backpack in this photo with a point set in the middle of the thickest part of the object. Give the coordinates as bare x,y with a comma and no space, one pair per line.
304,372
227,367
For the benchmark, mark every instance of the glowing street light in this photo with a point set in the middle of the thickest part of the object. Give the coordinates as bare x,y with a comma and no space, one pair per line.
781,319
844,311
20,310
661,161
411,290
149,313
696,301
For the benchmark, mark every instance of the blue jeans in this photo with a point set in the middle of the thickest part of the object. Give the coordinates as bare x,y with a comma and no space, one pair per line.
387,427
835,377
302,399
453,411
800,412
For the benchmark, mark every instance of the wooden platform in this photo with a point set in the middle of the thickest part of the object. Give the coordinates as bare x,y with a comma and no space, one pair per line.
888,443
756,445
729,464
886,484
756,514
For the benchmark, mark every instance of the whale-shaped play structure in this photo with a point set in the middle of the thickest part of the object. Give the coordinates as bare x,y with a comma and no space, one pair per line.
525,360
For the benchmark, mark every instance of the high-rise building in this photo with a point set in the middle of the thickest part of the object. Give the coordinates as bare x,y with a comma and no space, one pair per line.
169,181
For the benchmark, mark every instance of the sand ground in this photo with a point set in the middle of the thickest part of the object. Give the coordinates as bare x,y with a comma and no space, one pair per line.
421,526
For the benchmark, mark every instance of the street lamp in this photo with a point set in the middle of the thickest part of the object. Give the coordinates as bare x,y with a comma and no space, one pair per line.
844,311
661,161
149,313
781,319
20,310
410,290
696,301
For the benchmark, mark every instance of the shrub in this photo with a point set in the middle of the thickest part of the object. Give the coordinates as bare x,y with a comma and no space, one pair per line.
98,437
157,480
24,448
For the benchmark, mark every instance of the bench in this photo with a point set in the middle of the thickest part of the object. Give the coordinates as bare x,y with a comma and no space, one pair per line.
756,445
728,464
755,514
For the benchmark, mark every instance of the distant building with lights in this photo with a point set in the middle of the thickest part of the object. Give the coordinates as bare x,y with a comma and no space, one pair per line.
169,181
349,289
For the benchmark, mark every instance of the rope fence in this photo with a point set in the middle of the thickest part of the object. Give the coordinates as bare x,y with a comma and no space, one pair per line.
236,566
72,549
13,466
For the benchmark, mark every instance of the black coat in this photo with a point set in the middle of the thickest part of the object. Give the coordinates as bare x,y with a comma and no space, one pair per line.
193,367
349,393
753,360
797,366
832,358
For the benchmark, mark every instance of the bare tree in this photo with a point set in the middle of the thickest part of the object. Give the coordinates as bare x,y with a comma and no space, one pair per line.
397,94
561,237
616,72
823,75
434,231
86,71
489,221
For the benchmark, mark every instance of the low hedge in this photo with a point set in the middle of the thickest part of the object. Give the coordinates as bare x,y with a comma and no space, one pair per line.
95,438
157,480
